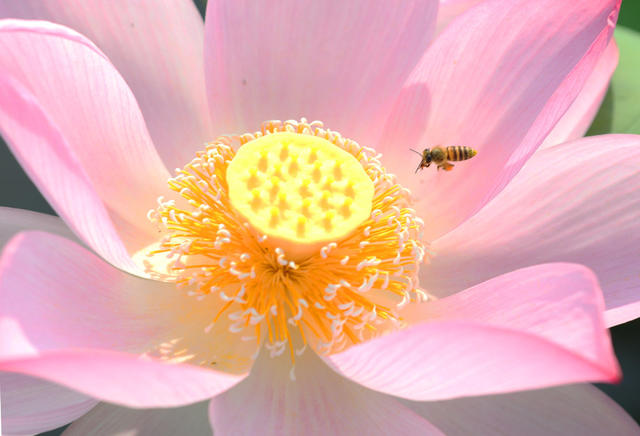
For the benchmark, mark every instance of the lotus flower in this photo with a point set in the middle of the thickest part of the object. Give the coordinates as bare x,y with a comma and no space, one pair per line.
313,322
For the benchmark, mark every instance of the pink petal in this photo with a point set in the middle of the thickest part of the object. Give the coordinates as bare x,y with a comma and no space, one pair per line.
318,402
63,91
576,202
532,328
450,10
123,378
70,318
32,406
157,47
57,172
62,296
328,60
563,411
110,420
13,221
497,79
14,340
576,121
621,314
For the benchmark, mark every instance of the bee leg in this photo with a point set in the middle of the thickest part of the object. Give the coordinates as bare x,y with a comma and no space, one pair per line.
447,166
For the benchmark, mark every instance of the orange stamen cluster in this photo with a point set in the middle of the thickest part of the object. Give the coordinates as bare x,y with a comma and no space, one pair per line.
339,293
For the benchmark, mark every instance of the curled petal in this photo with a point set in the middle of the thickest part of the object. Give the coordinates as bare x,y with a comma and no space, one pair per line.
532,328
123,378
157,47
68,317
57,172
67,115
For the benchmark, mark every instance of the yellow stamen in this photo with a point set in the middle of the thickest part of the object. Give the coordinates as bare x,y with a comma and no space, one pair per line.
317,239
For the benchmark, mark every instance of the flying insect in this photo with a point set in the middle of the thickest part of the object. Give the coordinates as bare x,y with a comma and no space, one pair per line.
440,156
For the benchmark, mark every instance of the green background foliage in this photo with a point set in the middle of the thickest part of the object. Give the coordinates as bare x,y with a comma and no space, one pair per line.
620,110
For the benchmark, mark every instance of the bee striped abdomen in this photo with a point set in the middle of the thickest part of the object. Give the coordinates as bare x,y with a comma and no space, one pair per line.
460,152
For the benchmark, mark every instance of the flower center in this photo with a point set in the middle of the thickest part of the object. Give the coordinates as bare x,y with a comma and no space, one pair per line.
300,190
300,231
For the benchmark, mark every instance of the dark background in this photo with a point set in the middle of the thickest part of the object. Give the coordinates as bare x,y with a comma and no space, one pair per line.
16,190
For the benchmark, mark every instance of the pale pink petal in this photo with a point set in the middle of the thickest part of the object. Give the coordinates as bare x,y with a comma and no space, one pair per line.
123,378
576,121
44,288
544,300
13,221
62,296
497,79
32,406
110,420
70,318
14,340
450,10
532,328
87,106
576,202
57,172
318,402
563,411
622,314
328,60
157,47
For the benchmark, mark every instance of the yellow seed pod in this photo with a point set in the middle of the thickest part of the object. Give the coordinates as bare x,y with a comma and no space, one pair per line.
331,207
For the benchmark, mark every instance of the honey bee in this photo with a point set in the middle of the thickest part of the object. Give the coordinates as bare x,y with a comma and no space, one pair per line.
442,155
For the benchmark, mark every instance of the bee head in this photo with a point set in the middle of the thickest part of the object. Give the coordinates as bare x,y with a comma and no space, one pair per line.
426,155
426,158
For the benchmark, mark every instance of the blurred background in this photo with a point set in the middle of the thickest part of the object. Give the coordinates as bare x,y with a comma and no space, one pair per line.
620,113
